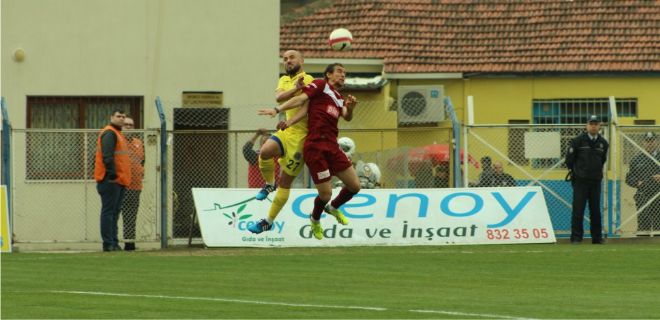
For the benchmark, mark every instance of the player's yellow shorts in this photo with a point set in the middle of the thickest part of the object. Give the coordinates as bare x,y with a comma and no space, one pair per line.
291,147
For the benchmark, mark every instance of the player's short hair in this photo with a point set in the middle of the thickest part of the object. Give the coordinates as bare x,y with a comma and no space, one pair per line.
115,111
331,68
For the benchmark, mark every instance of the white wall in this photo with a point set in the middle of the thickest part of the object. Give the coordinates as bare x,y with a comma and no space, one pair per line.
142,47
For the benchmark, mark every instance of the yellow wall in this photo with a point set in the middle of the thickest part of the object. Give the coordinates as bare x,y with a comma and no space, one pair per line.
497,100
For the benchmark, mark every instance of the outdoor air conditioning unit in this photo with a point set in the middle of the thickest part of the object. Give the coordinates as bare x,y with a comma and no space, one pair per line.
420,104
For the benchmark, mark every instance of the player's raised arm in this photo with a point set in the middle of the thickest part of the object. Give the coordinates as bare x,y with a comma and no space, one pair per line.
284,95
349,105
292,103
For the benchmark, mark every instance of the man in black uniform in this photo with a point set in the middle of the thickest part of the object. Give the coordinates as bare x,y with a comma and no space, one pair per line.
644,175
585,158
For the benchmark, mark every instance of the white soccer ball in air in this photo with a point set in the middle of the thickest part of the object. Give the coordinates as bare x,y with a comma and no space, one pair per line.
340,39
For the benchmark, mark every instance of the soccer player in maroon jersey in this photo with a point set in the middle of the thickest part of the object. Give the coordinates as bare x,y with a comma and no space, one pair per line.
323,105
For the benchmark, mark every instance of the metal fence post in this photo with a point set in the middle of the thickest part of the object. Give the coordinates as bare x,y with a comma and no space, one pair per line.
456,143
163,174
612,221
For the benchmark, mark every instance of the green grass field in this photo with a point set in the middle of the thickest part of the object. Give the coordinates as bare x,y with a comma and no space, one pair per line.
500,282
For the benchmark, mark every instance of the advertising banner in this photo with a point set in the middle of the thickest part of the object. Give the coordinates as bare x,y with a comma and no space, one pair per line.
5,240
380,217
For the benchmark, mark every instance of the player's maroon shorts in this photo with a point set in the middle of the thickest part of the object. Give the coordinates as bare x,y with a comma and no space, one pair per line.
324,159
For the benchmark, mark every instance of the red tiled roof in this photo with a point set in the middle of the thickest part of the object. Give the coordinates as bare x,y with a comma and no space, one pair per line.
488,35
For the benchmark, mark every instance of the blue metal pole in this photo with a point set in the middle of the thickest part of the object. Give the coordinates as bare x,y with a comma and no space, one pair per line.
163,174
456,143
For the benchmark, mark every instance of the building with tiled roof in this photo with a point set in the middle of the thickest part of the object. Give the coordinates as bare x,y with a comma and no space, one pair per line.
515,58
501,62
491,36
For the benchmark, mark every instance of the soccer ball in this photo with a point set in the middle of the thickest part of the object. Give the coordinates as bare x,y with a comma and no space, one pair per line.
340,39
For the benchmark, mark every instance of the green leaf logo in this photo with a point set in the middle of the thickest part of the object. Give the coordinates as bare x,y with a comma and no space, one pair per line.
234,216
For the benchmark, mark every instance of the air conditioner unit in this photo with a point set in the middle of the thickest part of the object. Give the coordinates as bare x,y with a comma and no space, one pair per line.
420,104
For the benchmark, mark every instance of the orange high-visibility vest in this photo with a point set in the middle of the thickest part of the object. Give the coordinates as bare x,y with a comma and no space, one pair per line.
136,155
122,161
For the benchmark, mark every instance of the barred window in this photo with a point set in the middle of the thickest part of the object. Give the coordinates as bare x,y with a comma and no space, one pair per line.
575,111
69,154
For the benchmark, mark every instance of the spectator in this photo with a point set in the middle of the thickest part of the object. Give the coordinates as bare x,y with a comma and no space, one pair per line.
112,173
255,179
131,203
441,176
500,178
369,173
644,175
486,175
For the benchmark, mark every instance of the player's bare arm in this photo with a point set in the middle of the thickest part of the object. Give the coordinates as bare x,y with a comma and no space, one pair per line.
292,103
301,114
349,105
283,95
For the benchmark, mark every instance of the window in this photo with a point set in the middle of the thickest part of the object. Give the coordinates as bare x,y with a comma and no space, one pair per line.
575,111
68,154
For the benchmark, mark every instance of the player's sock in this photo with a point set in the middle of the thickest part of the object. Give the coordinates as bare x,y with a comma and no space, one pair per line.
343,197
267,168
279,201
318,208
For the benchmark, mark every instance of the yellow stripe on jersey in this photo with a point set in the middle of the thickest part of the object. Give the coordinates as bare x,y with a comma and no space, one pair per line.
287,83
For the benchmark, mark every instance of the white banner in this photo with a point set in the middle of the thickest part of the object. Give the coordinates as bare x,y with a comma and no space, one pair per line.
380,217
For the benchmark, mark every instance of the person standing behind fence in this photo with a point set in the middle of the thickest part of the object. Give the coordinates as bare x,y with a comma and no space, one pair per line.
486,175
255,179
112,173
644,175
585,158
499,178
131,202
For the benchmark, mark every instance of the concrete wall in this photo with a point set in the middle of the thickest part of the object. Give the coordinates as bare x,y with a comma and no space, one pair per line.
142,47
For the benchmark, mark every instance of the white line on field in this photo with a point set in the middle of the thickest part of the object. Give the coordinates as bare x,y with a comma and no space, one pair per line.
219,299
465,314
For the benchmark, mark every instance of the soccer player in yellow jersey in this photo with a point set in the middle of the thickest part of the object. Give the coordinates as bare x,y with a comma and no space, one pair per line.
285,144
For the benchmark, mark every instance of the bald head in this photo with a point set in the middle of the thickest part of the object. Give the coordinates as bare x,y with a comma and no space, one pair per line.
293,61
497,166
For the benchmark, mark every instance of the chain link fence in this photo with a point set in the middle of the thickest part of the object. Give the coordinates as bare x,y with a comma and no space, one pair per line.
206,154
55,197
638,165
525,155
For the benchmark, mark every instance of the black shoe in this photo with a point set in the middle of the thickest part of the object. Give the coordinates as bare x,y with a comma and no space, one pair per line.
576,241
117,248
598,242
111,248
129,246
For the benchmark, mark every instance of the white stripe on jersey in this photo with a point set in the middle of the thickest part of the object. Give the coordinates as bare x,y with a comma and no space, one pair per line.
329,92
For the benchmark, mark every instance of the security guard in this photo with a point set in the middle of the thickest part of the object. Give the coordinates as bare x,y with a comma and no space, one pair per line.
585,158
